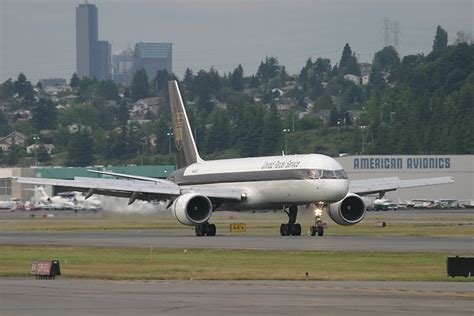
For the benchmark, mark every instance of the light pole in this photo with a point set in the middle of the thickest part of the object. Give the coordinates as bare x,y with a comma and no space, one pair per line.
169,141
36,139
286,130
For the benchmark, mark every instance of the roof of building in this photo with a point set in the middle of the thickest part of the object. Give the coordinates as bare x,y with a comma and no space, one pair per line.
153,50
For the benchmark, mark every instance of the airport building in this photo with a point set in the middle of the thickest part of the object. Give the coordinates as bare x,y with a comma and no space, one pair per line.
405,167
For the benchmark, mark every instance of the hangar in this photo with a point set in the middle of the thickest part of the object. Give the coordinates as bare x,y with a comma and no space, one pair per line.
406,167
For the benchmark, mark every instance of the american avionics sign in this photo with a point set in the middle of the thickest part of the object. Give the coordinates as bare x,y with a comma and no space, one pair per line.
383,163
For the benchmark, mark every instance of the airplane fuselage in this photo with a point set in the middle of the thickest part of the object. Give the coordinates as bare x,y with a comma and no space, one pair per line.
271,182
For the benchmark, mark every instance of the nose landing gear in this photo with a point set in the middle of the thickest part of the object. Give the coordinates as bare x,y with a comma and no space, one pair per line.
318,228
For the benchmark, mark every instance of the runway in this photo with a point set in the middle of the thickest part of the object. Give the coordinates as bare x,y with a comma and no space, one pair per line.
184,239
97,297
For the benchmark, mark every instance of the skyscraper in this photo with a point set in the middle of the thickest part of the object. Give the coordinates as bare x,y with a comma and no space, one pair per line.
92,55
122,62
153,57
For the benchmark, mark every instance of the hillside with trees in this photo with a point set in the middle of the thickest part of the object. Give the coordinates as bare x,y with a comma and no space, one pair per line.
418,104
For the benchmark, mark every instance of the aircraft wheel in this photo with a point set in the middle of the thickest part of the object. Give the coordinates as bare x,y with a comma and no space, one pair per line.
211,230
296,230
199,230
320,230
284,230
312,230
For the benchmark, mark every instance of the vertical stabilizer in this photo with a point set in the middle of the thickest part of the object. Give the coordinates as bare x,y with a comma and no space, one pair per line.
186,150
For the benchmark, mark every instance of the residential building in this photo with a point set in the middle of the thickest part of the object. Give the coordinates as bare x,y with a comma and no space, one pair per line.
152,57
14,138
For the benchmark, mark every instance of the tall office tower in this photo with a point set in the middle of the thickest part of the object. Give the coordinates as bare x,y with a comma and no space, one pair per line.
122,62
104,55
92,55
153,57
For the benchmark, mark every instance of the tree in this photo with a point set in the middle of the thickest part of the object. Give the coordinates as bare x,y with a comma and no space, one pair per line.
386,59
348,63
75,81
44,114
440,41
188,84
42,154
7,89
268,69
24,88
237,78
140,86
161,80
80,150
108,90
271,132
122,115
219,132
4,127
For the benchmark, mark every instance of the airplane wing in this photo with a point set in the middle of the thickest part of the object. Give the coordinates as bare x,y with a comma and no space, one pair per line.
134,189
382,185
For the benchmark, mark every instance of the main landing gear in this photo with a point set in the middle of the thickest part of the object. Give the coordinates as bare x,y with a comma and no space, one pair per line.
292,228
205,229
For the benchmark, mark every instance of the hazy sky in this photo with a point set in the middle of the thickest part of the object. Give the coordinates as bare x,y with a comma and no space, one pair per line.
37,37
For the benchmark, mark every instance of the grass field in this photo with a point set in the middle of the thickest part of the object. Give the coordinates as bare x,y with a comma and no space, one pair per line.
267,224
134,263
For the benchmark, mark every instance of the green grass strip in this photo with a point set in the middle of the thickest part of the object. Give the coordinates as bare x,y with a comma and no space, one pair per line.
201,264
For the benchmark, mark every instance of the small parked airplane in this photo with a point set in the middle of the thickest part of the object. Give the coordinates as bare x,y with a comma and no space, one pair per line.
199,187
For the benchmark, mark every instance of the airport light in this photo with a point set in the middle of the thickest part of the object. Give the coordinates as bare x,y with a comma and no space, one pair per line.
286,130
169,134
36,139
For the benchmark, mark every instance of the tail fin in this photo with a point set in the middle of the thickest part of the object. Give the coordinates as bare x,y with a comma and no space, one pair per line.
186,150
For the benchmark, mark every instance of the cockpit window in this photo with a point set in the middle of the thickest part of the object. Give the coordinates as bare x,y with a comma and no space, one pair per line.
329,174
341,174
326,174
315,173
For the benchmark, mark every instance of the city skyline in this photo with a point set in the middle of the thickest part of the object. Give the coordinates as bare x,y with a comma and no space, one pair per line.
210,33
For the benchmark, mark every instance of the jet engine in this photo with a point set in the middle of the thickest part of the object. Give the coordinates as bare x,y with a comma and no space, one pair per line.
348,211
192,209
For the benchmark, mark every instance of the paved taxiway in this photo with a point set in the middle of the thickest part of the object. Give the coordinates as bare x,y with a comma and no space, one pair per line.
97,297
184,239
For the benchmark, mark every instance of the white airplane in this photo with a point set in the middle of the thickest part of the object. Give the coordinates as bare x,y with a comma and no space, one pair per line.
198,187
43,200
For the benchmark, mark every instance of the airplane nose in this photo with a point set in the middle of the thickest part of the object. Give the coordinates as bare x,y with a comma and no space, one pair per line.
343,188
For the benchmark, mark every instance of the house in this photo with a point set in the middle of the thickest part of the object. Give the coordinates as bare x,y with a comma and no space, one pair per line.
365,79
353,78
33,148
145,105
14,138
76,127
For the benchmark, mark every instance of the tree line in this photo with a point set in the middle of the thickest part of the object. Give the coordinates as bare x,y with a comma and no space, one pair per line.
417,104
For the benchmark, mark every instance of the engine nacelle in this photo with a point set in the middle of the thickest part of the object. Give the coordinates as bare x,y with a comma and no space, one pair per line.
192,209
348,211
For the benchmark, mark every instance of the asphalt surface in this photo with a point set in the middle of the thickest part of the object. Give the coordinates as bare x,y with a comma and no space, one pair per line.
97,297
184,239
